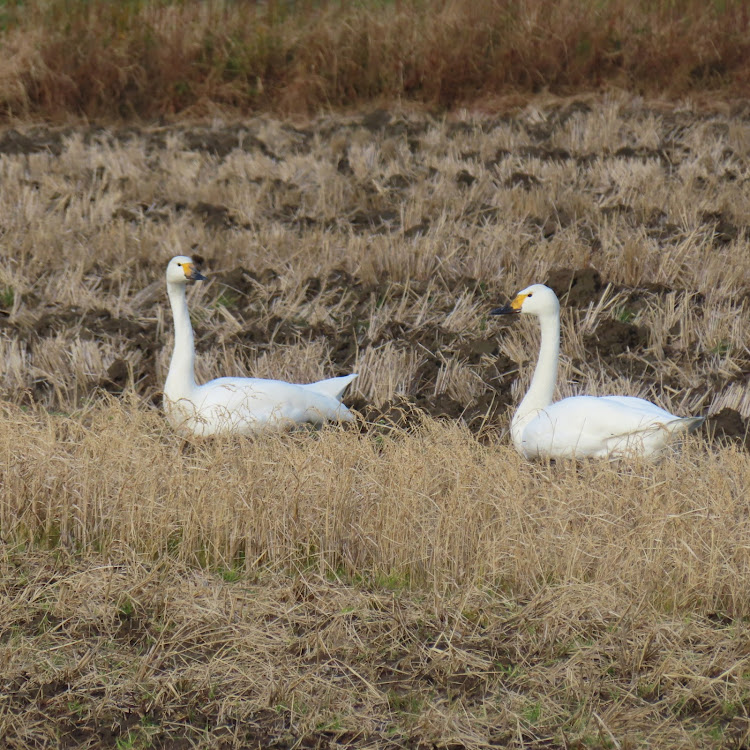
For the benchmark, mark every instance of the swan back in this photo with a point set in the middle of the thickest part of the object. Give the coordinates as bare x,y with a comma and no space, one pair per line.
600,427
250,405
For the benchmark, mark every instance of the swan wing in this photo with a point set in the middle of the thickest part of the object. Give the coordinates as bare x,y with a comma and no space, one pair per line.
637,405
599,427
247,405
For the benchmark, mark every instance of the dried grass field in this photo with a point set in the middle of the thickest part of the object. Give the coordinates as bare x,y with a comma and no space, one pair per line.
409,581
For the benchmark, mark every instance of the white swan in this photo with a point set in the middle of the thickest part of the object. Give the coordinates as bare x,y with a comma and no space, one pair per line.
579,426
235,405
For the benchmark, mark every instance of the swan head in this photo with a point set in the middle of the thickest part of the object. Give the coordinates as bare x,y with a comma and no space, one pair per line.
183,268
536,299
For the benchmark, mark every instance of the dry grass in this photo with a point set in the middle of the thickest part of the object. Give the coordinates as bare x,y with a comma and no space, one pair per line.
154,57
409,583
337,588
380,248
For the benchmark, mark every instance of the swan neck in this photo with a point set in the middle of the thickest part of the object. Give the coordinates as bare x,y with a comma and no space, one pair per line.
542,388
181,376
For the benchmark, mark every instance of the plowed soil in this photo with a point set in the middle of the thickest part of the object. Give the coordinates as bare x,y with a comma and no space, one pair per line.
411,582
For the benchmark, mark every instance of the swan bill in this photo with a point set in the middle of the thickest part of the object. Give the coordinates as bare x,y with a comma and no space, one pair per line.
506,310
196,275
513,308
192,273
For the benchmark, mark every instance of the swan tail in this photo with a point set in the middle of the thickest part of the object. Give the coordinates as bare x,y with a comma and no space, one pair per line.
343,414
327,409
651,440
685,424
332,387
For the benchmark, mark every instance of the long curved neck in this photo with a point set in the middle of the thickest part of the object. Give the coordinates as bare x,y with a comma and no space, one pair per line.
542,387
181,376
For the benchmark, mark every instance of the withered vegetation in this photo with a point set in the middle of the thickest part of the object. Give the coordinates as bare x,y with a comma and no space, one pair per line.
150,58
409,582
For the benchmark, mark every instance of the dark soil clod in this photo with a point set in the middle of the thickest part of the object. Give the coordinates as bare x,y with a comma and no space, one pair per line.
376,120
417,230
465,178
724,230
728,424
398,182
576,288
239,280
522,180
116,378
214,217
613,337
376,220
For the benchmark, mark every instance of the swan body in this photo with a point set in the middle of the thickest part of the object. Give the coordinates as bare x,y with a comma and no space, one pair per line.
581,426
235,405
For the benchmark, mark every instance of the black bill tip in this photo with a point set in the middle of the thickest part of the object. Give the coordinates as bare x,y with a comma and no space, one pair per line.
505,310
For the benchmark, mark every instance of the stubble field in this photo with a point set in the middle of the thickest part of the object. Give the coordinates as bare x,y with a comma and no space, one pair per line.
408,582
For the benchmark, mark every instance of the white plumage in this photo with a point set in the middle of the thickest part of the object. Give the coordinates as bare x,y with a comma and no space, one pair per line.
235,405
581,426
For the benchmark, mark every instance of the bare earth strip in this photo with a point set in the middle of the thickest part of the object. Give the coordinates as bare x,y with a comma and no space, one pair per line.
410,582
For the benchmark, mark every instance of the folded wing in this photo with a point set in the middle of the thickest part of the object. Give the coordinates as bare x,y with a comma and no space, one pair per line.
601,427
247,405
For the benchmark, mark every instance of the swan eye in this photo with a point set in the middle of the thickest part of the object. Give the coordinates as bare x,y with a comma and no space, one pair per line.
530,294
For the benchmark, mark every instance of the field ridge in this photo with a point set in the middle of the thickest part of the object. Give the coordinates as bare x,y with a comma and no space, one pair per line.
161,58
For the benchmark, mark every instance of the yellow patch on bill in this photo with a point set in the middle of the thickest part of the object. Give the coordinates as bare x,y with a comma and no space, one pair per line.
518,301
